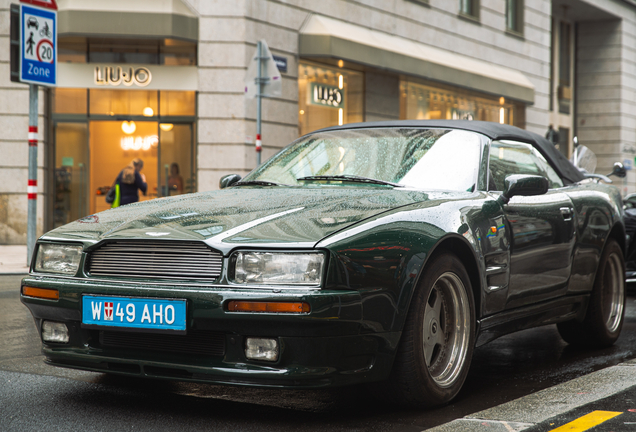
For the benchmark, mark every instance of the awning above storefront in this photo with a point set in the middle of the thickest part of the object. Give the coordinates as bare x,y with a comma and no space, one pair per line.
125,18
326,37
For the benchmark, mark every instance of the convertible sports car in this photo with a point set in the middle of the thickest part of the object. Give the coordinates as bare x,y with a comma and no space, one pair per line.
368,253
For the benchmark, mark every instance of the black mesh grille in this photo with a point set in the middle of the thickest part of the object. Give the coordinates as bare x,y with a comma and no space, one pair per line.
155,260
195,342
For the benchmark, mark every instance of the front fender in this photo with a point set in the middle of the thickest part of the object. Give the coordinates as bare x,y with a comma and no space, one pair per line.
383,258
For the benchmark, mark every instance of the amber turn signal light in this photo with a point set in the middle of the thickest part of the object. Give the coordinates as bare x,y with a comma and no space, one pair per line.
272,307
48,294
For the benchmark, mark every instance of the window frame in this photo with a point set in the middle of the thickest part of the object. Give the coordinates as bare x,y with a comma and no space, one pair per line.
535,152
475,8
518,19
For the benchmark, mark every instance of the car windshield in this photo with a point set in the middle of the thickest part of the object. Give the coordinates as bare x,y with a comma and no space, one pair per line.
437,159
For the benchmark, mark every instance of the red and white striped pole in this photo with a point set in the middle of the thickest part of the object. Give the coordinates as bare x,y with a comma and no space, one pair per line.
32,185
259,99
259,148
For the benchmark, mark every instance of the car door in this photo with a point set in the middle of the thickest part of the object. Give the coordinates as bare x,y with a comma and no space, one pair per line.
541,228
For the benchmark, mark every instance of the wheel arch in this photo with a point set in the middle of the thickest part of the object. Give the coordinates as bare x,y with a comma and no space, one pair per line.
458,246
618,233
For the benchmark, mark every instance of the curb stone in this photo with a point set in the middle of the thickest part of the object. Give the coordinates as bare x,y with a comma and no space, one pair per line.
528,411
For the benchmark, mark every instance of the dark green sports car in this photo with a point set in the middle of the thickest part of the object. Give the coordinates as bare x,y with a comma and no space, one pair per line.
369,253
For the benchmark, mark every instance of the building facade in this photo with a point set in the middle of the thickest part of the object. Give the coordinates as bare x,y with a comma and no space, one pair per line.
164,80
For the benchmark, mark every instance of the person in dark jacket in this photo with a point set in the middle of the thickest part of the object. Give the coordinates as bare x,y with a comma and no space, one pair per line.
130,181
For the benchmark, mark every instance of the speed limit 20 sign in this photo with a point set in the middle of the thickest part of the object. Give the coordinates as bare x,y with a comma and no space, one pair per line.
38,45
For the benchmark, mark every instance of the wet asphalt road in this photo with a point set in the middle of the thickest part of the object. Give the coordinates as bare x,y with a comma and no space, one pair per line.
34,396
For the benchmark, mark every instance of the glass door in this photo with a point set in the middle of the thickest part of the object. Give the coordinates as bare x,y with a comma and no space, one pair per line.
71,198
113,146
176,164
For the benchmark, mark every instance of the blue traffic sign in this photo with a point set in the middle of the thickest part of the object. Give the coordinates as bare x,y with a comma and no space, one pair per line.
38,45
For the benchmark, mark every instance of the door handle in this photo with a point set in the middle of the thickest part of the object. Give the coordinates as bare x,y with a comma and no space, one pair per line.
566,212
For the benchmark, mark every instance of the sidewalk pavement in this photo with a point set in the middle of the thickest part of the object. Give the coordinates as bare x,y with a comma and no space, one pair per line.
13,259
531,412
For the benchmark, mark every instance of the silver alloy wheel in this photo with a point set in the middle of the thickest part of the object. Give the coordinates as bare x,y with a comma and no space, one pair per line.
613,292
446,331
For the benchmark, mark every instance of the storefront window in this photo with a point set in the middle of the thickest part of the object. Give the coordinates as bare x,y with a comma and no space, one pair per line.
91,147
117,102
176,163
71,196
170,52
174,52
428,102
177,103
69,101
130,103
72,50
111,149
328,97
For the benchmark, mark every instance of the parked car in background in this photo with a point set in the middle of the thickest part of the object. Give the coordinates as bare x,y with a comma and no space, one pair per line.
629,204
379,253
585,160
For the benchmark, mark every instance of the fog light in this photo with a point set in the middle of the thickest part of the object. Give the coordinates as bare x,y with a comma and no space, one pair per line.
261,349
54,332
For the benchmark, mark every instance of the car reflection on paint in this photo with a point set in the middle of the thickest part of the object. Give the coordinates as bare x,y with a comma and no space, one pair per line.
375,253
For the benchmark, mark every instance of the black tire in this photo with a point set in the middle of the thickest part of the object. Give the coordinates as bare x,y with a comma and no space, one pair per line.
606,310
437,342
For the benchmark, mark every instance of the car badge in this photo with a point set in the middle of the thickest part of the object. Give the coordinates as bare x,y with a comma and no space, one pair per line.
157,234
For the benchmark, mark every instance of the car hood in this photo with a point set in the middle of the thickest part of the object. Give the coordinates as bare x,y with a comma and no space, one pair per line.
242,216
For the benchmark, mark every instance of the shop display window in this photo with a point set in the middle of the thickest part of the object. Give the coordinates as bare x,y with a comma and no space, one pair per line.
328,97
97,132
177,103
436,102
69,101
117,102
72,50
169,52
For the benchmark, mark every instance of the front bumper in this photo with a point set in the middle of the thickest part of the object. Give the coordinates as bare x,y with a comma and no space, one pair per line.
328,346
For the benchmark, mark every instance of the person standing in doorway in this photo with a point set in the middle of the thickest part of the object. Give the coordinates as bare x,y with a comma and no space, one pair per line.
130,181
552,136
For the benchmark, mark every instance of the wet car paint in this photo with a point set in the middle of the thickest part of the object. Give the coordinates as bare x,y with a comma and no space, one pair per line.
377,240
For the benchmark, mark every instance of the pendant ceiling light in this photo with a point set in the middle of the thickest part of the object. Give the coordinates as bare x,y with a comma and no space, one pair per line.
129,127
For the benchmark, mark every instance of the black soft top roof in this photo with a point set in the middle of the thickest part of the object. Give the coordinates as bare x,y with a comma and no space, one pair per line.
495,131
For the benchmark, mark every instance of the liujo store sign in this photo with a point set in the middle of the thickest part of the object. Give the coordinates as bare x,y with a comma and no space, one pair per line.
128,76
325,95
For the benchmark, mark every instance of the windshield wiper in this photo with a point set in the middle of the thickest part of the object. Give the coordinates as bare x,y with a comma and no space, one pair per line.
259,183
350,178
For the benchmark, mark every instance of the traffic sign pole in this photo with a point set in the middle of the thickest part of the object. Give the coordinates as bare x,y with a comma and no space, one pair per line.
38,66
259,98
262,80
32,186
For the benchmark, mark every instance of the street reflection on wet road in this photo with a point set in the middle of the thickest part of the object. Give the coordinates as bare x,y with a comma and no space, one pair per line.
503,370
